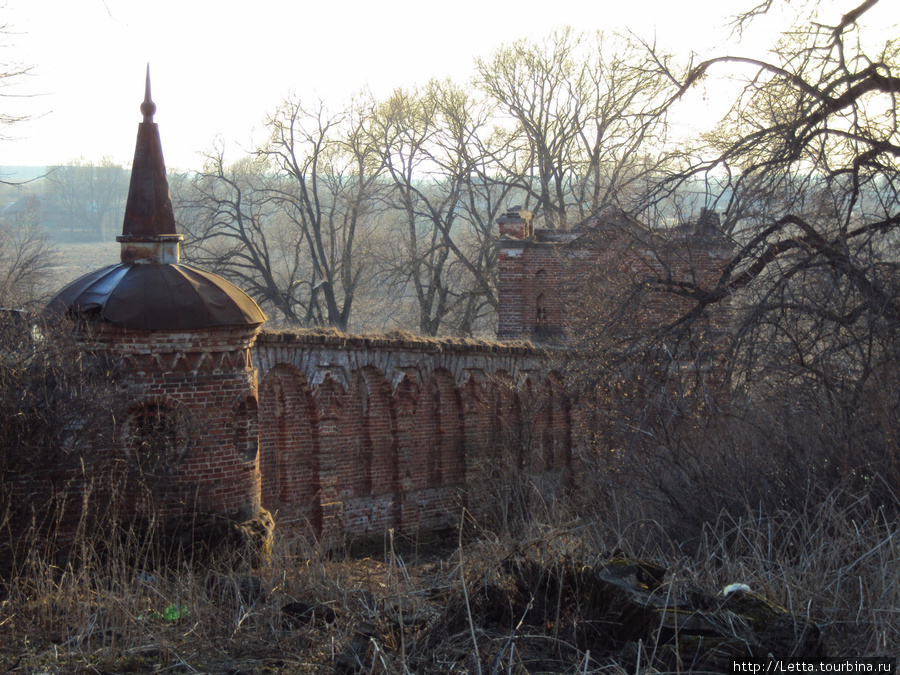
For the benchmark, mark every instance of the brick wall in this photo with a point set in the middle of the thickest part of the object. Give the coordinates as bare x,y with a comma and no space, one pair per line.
545,278
399,433
344,436
183,438
350,435
207,375
530,287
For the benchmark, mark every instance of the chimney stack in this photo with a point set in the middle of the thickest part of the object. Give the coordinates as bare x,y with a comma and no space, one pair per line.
517,223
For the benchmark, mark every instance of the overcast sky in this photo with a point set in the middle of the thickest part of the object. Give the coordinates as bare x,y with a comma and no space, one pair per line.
218,67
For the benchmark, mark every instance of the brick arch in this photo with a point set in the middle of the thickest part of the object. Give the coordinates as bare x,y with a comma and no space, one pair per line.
529,422
329,400
449,408
289,448
476,414
175,409
505,419
433,452
405,400
427,436
479,461
369,430
366,472
156,439
444,441
160,400
405,397
552,431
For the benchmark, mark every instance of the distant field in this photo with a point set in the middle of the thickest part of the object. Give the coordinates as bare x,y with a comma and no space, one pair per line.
77,259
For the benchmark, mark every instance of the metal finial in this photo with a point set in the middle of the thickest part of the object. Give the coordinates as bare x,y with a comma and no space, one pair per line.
148,107
148,211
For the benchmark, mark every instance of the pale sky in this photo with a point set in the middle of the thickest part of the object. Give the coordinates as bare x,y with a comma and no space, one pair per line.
218,68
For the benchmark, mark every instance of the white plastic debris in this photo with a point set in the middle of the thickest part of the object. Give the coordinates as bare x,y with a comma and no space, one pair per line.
735,588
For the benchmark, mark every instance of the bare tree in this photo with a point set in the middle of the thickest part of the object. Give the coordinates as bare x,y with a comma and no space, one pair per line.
27,260
328,176
236,228
10,74
108,191
292,225
583,111
90,196
811,152
26,257
445,198
806,168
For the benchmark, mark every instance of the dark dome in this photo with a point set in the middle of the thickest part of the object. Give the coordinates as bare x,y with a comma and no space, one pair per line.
159,297
149,289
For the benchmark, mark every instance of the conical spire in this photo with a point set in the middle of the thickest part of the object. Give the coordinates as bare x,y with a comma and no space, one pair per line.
151,290
148,212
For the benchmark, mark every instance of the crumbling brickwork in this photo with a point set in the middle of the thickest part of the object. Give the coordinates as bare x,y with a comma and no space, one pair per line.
346,436
359,435
190,417
546,277
350,436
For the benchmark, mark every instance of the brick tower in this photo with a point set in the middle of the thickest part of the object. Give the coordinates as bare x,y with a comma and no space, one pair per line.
531,265
542,273
188,432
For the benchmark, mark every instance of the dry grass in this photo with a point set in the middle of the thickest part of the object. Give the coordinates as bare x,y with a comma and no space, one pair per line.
827,563
491,602
474,606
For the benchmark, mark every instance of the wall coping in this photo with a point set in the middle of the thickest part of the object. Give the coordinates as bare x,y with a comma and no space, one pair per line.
398,341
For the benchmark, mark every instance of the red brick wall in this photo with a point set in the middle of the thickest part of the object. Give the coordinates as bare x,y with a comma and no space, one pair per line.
531,277
183,435
541,278
392,435
419,432
289,446
209,376
352,435
357,435
366,466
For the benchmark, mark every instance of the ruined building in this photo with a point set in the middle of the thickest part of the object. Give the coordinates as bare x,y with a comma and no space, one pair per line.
621,299
544,275
345,436
183,338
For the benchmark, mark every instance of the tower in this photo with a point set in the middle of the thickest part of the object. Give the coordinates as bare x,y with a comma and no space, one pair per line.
531,266
188,432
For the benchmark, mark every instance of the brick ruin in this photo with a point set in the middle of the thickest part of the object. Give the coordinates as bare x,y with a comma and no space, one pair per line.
185,440
543,275
344,435
358,434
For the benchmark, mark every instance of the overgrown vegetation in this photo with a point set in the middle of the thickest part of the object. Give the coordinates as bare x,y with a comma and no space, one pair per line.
512,597
767,456
55,404
795,399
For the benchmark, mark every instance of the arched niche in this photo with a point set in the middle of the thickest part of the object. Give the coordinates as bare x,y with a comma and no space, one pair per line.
289,459
369,429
